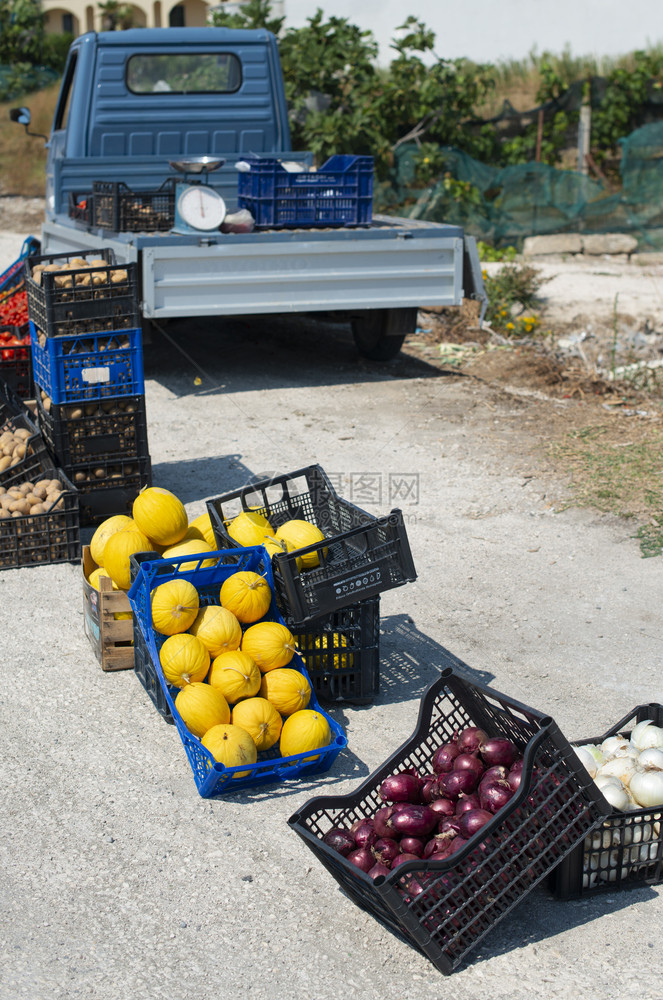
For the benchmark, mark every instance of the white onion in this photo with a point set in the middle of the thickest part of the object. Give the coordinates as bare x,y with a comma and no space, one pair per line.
612,745
587,759
647,788
617,796
646,735
619,767
636,833
651,758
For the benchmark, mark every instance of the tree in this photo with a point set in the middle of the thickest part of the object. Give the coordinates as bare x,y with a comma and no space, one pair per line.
21,32
116,16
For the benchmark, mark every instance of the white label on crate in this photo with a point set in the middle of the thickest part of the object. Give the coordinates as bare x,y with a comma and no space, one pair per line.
95,374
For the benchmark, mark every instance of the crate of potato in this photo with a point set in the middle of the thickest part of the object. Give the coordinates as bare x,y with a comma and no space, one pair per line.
326,552
23,453
85,368
70,293
100,430
238,691
107,617
39,521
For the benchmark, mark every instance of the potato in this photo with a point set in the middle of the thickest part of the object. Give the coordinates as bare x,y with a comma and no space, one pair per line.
100,473
55,485
5,462
19,450
4,513
42,482
22,506
22,432
38,508
40,492
76,413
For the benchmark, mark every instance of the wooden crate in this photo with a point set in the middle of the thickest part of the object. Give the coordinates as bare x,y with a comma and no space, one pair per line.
111,639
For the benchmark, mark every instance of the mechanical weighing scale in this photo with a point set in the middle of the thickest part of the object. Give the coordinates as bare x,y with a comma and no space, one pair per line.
198,207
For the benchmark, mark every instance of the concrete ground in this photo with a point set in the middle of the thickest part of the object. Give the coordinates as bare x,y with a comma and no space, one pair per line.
120,881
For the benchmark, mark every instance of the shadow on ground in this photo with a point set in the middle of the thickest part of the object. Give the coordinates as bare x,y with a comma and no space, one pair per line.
213,354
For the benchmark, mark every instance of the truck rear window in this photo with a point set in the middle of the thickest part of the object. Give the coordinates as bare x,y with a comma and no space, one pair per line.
190,73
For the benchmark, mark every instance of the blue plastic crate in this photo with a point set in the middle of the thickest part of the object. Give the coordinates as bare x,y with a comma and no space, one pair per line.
88,366
340,193
212,778
15,273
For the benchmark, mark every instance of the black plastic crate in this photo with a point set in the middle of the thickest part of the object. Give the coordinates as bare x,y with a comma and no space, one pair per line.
101,429
51,537
556,806
147,675
342,652
117,208
627,851
15,416
111,493
16,361
361,555
82,299
80,207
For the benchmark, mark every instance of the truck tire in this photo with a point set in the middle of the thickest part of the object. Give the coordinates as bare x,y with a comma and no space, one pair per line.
379,333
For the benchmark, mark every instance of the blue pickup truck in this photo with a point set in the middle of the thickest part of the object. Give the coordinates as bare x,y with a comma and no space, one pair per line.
171,109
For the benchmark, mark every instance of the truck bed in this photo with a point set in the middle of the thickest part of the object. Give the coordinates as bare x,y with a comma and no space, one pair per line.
394,262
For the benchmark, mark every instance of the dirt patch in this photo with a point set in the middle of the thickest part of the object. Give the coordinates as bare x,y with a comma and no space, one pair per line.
21,215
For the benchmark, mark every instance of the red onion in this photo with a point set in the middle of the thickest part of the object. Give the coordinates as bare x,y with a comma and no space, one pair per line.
495,773
444,757
443,807
381,821
499,750
340,840
493,797
466,802
469,762
450,824
402,787
455,782
472,821
412,845
470,739
429,789
378,869
513,779
402,859
362,858
414,821
456,844
517,765
385,850
438,846
364,833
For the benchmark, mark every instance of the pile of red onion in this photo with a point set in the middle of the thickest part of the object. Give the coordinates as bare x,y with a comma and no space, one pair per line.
431,816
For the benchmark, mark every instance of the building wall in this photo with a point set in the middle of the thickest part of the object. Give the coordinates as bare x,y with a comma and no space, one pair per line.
79,16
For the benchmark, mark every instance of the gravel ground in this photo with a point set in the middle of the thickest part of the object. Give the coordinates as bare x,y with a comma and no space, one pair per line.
121,881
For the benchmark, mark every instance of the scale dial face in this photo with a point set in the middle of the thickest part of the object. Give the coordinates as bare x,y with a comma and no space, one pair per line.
201,207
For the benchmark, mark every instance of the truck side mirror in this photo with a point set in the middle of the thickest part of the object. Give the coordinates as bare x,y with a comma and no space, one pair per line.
23,117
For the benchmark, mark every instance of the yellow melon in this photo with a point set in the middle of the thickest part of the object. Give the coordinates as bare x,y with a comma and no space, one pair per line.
183,659
201,707
117,522
192,547
160,515
259,717
175,606
250,528
217,628
247,595
270,644
203,524
305,730
95,576
235,674
299,534
287,689
231,746
118,550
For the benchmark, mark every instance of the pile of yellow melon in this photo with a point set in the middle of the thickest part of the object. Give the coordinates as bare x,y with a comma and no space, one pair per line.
158,523
250,527
237,693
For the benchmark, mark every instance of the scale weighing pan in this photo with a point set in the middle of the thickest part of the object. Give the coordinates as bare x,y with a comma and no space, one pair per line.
198,207
197,164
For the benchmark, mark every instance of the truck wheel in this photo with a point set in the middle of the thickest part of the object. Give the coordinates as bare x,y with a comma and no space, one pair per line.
379,333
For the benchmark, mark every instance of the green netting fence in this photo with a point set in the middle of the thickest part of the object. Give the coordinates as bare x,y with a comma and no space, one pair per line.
503,205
